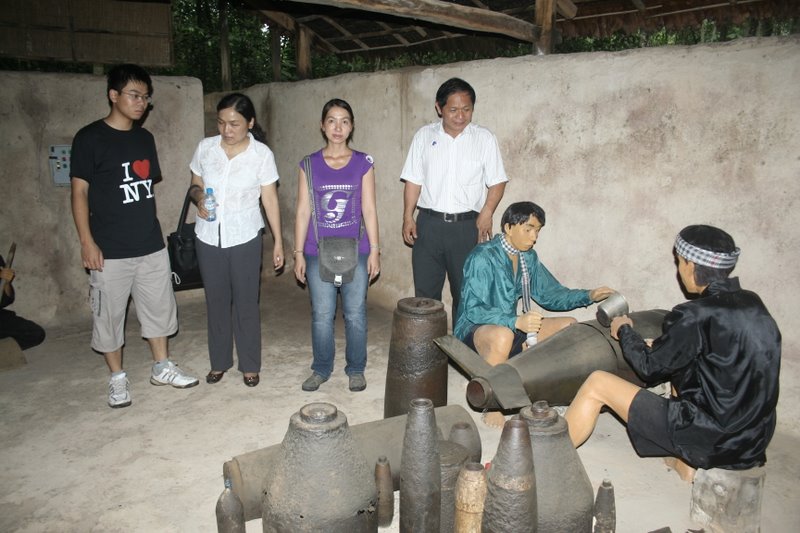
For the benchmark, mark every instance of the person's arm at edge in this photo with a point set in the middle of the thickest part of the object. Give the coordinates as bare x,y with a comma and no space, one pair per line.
197,193
370,213
484,221
269,199
411,192
91,255
301,222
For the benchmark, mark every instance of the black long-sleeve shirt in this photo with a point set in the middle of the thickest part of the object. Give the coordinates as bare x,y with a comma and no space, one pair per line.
721,352
5,299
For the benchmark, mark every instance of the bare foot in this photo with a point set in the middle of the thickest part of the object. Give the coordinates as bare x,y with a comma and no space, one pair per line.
493,419
684,471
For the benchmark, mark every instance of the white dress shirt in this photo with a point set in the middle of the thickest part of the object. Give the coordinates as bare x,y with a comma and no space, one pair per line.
454,173
237,186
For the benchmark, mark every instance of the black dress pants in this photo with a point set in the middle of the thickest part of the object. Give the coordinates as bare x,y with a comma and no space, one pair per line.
441,249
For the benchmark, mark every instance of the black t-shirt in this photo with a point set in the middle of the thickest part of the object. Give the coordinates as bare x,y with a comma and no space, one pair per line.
120,167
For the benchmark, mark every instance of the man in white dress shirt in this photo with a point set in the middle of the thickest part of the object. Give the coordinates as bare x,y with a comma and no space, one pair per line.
455,178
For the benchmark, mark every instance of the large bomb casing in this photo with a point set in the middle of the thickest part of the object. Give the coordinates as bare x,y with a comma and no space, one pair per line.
552,370
320,480
420,471
249,472
564,494
511,505
416,367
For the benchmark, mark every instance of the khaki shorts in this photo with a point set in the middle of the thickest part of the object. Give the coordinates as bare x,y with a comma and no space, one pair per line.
147,279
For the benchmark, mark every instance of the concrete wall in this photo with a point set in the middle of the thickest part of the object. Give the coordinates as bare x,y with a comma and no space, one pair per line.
45,109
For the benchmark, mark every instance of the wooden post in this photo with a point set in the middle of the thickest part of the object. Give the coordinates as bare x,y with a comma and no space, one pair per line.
303,53
545,17
224,46
275,52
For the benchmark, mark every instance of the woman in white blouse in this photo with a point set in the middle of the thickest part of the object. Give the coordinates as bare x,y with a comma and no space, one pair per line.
241,170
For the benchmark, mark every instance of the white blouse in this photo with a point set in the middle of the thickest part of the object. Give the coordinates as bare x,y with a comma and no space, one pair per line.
237,186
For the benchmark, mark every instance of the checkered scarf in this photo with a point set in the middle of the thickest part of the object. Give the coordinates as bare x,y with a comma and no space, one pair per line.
526,281
700,256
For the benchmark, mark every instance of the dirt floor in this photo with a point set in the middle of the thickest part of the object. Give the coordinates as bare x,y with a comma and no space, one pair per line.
69,463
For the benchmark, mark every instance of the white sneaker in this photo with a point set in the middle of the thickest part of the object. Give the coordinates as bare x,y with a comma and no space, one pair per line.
172,375
118,393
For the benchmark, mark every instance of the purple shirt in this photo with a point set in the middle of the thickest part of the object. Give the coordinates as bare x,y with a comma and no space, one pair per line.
337,200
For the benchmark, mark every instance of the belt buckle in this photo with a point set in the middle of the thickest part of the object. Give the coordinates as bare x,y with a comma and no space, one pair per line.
450,217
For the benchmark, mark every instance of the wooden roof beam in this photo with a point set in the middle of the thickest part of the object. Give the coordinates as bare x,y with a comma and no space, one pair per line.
444,13
346,34
288,23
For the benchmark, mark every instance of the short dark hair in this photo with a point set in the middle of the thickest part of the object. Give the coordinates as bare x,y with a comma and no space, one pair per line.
452,86
714,240
119,76
338,102
520,213
242,104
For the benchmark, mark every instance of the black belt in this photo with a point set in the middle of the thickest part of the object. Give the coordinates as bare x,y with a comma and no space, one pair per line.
449,217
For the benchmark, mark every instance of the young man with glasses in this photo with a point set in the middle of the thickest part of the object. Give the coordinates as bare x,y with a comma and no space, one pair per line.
114,166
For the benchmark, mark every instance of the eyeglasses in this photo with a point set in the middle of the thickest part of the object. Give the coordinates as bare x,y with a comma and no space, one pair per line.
146,98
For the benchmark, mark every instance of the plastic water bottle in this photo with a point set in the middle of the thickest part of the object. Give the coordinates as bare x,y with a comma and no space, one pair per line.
210,203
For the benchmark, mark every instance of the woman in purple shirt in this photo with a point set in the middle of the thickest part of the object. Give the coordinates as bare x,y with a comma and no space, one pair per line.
343,188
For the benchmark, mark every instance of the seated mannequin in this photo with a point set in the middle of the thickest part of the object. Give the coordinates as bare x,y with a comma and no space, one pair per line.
497,274
25,332
721,353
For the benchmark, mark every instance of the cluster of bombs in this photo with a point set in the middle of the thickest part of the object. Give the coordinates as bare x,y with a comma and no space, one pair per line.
326,476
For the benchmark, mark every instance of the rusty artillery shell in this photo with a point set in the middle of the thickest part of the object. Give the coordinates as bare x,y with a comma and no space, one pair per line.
461,433
510,505
417,368
420,475
470,494
230,513
249,471
320,479
452,456
383,481
565,497
605,512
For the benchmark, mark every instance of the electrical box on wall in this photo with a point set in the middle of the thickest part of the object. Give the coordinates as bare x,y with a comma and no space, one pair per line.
60,163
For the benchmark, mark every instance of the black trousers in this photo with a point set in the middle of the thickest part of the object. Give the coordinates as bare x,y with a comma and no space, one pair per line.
441,249
27,333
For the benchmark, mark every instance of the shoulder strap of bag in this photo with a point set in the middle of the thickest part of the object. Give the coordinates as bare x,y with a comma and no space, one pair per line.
310,187
185,210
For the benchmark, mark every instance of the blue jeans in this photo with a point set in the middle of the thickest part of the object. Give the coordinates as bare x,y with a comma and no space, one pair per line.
323,313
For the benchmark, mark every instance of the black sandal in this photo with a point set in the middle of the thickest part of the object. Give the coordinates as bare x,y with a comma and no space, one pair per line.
214,377
251,381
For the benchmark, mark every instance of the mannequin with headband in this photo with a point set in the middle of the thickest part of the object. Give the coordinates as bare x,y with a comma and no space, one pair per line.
720,351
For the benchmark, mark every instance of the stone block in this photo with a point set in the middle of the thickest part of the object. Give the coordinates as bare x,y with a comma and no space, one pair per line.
11,355
728,501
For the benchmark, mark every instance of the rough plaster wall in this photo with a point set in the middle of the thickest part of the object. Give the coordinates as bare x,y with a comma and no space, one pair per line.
621,149
46,109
